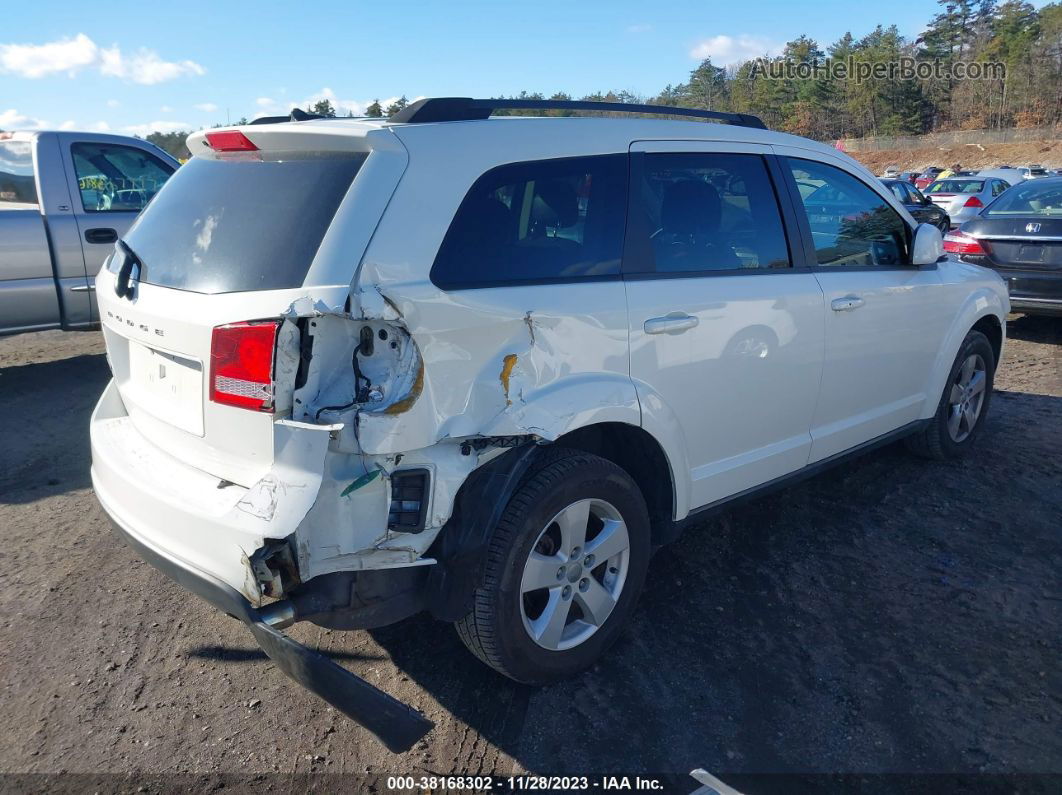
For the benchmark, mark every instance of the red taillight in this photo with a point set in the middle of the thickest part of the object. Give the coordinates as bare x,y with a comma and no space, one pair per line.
241,365
230,141
973,201
961,243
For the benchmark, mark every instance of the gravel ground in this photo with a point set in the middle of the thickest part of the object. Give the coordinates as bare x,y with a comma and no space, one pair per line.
888,616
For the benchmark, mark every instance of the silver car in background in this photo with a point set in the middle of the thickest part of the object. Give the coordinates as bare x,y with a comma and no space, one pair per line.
964,197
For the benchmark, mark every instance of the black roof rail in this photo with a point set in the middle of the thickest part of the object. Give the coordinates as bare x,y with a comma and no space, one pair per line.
468,109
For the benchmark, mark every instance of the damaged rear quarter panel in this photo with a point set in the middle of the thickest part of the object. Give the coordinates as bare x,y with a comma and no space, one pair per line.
567,344
537,360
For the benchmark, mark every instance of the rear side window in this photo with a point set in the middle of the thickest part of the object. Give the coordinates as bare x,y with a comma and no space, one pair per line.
223,226
851,224
898,191
115,178
16,173
706,212
956,186
540,221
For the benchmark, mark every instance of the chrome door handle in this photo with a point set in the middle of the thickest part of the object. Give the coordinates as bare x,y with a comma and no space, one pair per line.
672,323
846,304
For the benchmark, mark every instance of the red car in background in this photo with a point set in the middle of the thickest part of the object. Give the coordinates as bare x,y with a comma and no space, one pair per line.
922,180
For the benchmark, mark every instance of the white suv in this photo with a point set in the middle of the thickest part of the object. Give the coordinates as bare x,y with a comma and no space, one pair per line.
484,366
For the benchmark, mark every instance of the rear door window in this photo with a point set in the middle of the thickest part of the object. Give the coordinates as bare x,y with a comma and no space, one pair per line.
231,225
115,178
539,221
17,185
705,212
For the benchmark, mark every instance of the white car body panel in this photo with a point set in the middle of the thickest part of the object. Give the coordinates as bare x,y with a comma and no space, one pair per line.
720,378
534,361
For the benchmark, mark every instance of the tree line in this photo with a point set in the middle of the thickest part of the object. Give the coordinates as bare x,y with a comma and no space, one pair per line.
819,103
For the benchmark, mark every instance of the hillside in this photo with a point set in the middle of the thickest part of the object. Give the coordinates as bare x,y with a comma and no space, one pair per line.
1046,153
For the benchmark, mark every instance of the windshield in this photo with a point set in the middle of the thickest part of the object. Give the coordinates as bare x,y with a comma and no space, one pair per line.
1035,198
254,223
956,186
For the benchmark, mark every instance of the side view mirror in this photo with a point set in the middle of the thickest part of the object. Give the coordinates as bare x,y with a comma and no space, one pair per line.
926,200
928,245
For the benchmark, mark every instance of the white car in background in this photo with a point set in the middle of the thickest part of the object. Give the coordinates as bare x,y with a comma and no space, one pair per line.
483,367
1033,171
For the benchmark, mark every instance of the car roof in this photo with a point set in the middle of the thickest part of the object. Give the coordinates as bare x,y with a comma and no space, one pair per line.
574,134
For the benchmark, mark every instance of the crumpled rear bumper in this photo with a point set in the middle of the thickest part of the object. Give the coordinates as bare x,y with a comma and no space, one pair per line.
397,725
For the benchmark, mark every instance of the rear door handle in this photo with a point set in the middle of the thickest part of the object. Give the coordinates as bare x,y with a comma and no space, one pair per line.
846,304
101,235
671,323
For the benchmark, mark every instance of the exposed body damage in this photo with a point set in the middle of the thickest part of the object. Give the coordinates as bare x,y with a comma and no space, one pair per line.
386,386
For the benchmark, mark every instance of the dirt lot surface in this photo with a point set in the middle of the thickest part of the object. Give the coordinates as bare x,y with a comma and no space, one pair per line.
1046,153
891,615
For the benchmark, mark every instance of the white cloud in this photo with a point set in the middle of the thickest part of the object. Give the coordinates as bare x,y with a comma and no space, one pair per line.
166,109
68,125
158,126
72,55
11,119
724,49
39,60
101,126
639,28
145,67
206,107
265,102
113,103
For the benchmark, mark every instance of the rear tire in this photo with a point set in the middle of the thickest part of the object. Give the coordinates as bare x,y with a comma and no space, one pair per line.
963,406
548,607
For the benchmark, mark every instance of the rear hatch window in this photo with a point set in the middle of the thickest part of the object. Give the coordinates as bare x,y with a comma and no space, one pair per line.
249,223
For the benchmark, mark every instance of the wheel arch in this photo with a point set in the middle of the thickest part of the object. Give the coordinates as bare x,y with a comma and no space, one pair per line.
640,455
982,311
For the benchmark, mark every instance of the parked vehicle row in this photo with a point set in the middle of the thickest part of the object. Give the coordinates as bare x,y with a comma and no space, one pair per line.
367,368
923,179
65,198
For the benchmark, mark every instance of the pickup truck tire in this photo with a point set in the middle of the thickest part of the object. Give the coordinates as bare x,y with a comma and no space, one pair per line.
572,489
964,404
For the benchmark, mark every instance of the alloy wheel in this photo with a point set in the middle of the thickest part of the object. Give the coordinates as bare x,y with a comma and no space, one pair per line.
574,574
967,397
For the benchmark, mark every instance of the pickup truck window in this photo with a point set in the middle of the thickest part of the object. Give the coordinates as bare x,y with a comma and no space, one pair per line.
223,226
17,185
115,178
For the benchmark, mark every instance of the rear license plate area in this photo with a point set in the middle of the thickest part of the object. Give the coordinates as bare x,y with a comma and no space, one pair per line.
1031,253
167,386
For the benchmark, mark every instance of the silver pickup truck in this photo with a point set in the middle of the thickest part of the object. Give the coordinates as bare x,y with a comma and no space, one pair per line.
65,198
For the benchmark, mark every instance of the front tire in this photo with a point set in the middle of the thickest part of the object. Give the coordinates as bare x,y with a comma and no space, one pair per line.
964,405
563,571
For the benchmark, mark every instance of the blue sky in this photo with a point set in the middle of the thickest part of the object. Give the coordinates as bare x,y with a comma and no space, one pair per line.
136,66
